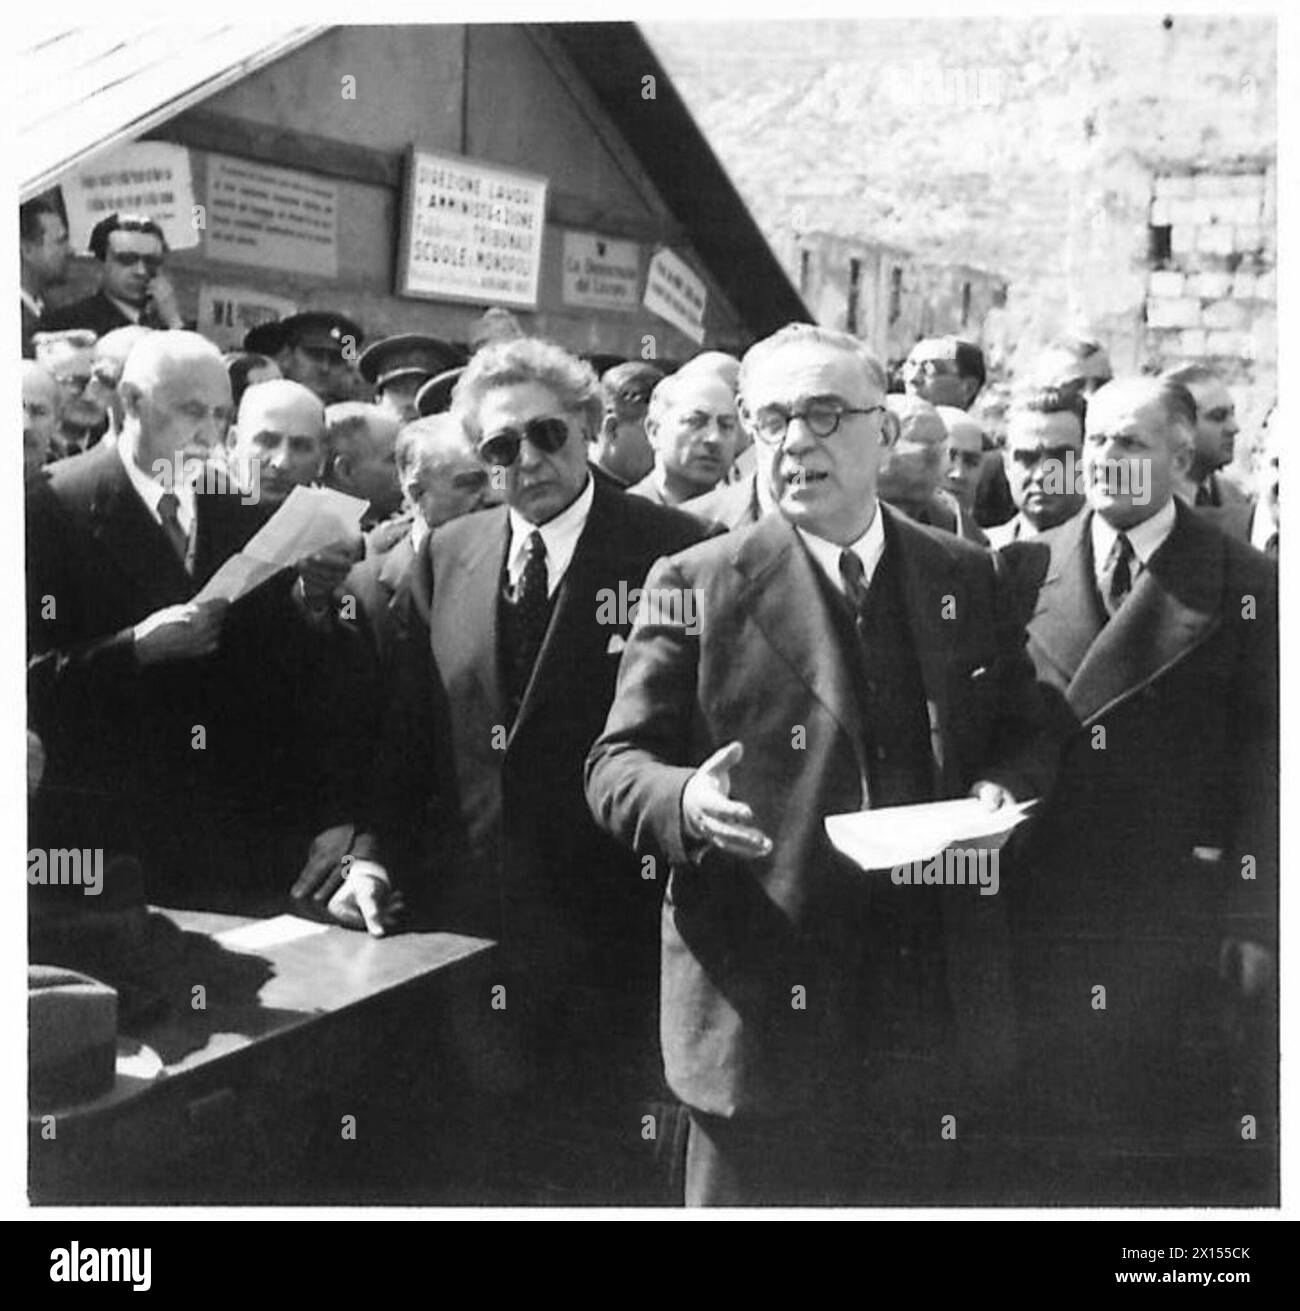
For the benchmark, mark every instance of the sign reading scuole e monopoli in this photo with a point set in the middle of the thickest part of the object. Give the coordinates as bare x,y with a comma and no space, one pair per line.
470,231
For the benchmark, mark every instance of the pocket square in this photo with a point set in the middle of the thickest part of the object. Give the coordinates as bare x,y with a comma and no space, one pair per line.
616,644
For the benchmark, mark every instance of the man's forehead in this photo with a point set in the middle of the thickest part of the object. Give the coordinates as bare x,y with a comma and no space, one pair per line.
933,348
809,368
294,417
127,240
1030,427
704,391
36,381
1126,409
527,397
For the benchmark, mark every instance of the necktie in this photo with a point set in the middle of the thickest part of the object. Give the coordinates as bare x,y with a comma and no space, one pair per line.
1117,576
171,525
855,581
530,604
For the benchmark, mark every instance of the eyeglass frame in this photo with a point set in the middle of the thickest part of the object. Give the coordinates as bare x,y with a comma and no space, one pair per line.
518,434
753,422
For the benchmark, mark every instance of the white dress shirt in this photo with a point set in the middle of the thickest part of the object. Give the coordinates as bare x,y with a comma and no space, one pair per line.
1146,538
560,536
1262,526
868,548
151,492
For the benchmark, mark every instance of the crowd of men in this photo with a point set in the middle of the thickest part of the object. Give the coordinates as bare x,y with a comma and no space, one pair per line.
609,650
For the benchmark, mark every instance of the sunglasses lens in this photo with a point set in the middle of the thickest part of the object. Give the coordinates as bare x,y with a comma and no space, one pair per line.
548,435
502,448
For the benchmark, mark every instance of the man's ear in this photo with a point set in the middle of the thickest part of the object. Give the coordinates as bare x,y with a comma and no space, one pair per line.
890,427
131,396
608,428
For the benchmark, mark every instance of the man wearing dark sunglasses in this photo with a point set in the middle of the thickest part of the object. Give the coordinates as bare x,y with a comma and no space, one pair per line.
509,627
133,288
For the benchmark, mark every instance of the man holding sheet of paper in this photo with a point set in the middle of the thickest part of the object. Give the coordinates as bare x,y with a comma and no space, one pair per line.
835,1035
176,720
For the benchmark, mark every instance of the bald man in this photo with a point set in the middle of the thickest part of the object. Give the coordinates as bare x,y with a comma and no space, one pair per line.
40,416
361,456
964,452
1146,918
913,468
166,725
692,427
278,441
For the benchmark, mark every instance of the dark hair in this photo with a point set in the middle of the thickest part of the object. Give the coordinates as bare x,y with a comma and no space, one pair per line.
1052,400
970,361
30,227
239,364
102,230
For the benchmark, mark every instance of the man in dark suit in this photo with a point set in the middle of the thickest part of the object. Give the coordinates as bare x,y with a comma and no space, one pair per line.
1145,920
844,657
509,629
173,730
692,427
133,288
42,261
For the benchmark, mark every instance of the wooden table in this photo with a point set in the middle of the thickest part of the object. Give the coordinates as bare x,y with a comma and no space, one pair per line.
296,1061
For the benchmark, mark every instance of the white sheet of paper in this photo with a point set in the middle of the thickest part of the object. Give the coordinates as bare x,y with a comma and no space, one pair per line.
273,932
310,519
899,835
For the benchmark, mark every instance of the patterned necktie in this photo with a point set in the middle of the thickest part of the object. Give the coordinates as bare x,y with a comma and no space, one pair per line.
1117,576
531,603
171,525
855,582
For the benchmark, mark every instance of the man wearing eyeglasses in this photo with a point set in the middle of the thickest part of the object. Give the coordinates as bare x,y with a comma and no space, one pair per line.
69,357
131,250
1215,440
819,1021
509,628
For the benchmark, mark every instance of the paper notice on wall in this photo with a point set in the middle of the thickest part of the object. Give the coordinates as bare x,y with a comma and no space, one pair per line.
226,313
675,293
471,231
601,273
274,218
145,177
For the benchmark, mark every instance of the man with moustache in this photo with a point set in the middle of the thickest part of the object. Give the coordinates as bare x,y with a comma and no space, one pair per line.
692,427
509,630
1145,923
165,722
815,1018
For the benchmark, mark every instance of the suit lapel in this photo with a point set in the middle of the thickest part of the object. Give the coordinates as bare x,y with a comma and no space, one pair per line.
1174,606
128,532
785,598
1067,617
463,621
927,583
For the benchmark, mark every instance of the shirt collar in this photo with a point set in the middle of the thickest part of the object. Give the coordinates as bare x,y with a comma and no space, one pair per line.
1146,538
560,536
868,548
150,490
33,303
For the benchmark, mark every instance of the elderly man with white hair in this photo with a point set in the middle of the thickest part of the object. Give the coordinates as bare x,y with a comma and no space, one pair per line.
164,718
